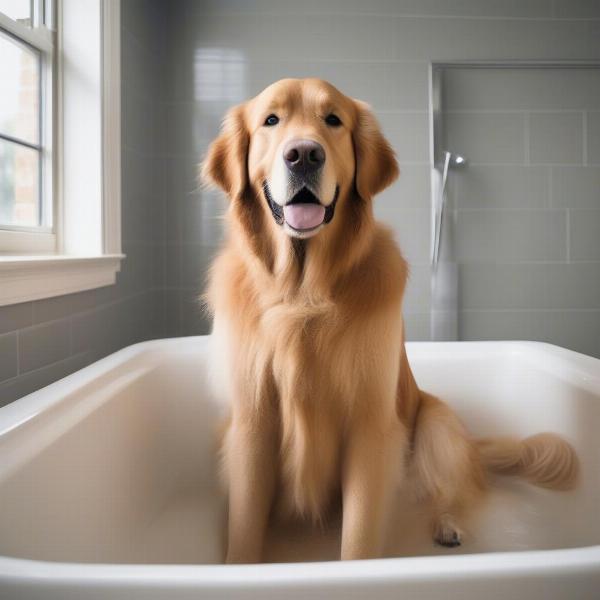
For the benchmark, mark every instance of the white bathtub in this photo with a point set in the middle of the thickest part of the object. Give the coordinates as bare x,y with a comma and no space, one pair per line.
107,488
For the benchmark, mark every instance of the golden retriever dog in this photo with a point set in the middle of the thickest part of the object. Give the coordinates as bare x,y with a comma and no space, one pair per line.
306,296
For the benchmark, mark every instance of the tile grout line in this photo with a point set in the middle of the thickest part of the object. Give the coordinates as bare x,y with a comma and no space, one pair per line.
585,138
499,111
550,188
556,261
392,15
71,334
517,164
532,310
504,209
527,139
568,224
18,357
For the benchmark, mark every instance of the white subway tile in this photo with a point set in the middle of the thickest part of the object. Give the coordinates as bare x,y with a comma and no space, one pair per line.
576,187
510,235
516,88
499,186
585,234
486,138
8,356
556,138
408,134
530,286
593,137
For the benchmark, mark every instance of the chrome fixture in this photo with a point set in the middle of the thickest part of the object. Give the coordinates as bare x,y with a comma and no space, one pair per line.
451,161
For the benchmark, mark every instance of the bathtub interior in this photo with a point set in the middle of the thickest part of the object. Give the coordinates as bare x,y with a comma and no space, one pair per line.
122,468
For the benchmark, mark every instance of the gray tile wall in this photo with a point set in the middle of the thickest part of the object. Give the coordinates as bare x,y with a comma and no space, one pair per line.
45,340
221,52
527,208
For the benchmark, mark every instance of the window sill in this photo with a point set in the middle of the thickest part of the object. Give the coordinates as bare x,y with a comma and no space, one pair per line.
24,278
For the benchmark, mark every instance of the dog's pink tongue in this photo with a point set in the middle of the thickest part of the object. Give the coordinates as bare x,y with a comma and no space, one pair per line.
304,216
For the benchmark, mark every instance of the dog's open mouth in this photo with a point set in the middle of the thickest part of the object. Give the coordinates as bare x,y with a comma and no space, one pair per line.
304,212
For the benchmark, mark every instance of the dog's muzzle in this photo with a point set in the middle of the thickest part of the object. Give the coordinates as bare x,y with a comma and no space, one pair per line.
304,212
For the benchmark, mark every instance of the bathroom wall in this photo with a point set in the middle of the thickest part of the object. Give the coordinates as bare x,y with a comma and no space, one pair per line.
221,52
45,340
526,210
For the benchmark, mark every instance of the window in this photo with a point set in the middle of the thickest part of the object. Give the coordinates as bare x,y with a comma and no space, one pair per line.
26,68
60,154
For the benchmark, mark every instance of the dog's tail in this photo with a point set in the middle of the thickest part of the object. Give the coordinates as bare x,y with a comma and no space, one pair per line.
545,459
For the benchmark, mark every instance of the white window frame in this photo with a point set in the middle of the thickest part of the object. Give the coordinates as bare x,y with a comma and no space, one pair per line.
86,250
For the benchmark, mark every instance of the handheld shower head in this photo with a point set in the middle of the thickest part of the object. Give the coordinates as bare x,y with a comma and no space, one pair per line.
455,161
451,161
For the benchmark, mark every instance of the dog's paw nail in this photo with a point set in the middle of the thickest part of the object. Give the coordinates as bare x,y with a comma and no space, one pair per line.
450,539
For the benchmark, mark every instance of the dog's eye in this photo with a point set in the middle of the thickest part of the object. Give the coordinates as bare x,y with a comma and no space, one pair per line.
333,120
271,120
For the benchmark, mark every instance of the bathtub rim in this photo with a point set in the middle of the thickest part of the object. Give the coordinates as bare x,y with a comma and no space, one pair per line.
583,370
581,562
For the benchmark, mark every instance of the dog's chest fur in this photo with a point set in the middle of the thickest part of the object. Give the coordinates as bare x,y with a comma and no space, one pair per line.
292,359
305,357
310,405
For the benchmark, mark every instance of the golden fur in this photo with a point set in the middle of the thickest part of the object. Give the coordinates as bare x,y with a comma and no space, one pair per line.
323,402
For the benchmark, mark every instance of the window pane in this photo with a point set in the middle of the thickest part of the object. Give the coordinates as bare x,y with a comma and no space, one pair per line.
18,10
19,100
19,176
48,13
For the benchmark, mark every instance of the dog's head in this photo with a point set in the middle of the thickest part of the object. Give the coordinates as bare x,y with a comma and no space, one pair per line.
300,150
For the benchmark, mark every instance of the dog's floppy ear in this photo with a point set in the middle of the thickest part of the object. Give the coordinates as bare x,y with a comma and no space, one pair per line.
225,164
376,165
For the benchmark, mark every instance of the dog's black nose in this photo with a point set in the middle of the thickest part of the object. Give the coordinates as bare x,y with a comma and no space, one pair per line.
303,157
